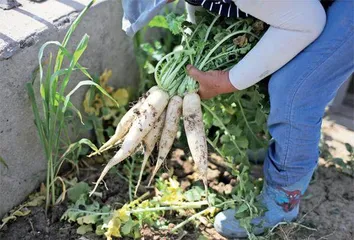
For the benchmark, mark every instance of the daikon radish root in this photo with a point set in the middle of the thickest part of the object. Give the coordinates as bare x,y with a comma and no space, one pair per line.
149,143
126,122
148,114
195,132
169,132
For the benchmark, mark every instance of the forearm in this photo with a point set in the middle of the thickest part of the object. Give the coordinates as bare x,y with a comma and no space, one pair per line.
294,24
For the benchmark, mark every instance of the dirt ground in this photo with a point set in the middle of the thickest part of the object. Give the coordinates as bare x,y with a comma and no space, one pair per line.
326,212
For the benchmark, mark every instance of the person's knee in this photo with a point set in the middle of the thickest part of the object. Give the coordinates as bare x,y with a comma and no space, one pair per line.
317,22
280,97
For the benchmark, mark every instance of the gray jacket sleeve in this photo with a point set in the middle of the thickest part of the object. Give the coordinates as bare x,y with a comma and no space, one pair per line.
138,13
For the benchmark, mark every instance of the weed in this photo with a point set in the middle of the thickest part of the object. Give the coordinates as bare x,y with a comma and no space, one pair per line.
50,112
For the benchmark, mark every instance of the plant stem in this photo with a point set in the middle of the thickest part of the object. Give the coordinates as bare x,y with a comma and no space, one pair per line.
52,172
221,55
155,209
215,147
199,214
186,203
235,24
157,78
47,190
89,212
122,177
188,46
200,67
190,219
206,38
142,197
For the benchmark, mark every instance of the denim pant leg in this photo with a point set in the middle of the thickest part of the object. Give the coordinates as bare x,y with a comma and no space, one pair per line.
299,93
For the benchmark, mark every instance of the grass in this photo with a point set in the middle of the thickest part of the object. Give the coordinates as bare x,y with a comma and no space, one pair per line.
53,102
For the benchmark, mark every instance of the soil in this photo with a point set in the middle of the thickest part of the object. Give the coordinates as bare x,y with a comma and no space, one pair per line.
326,212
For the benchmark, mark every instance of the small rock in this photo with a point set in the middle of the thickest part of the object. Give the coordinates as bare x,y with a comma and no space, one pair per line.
213,183
213,174
178,156
164,176
219,188
194,176
228,189
83,238
212,166
188,167
185,184
203,220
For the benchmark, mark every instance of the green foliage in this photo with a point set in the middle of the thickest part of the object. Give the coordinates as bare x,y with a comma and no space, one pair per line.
245,195
128,220
174,22
103,112
213,44
350,150
237,122
149,52
194,194
75,192
346,166
85,212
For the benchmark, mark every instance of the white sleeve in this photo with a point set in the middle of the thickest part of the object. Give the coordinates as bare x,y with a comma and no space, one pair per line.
294,24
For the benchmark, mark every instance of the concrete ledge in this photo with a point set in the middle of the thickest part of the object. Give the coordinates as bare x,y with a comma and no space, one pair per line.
22,32
21,27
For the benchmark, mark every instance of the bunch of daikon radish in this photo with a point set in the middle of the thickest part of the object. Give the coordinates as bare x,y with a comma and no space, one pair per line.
155,118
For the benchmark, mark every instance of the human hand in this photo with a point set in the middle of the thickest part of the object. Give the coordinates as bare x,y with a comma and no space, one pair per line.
211,83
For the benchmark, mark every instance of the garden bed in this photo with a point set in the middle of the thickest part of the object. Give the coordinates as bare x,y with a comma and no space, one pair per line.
327,210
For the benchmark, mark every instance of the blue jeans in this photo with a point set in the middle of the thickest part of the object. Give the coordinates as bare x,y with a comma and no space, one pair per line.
299,93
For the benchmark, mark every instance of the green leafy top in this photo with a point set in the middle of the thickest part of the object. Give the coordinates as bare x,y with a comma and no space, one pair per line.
212,44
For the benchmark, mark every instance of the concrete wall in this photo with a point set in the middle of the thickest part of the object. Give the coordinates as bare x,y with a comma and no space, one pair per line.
22,32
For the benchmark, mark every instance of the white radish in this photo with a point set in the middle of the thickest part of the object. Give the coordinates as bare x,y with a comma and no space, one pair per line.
148,114
195,132
149,143
169,132
125,123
